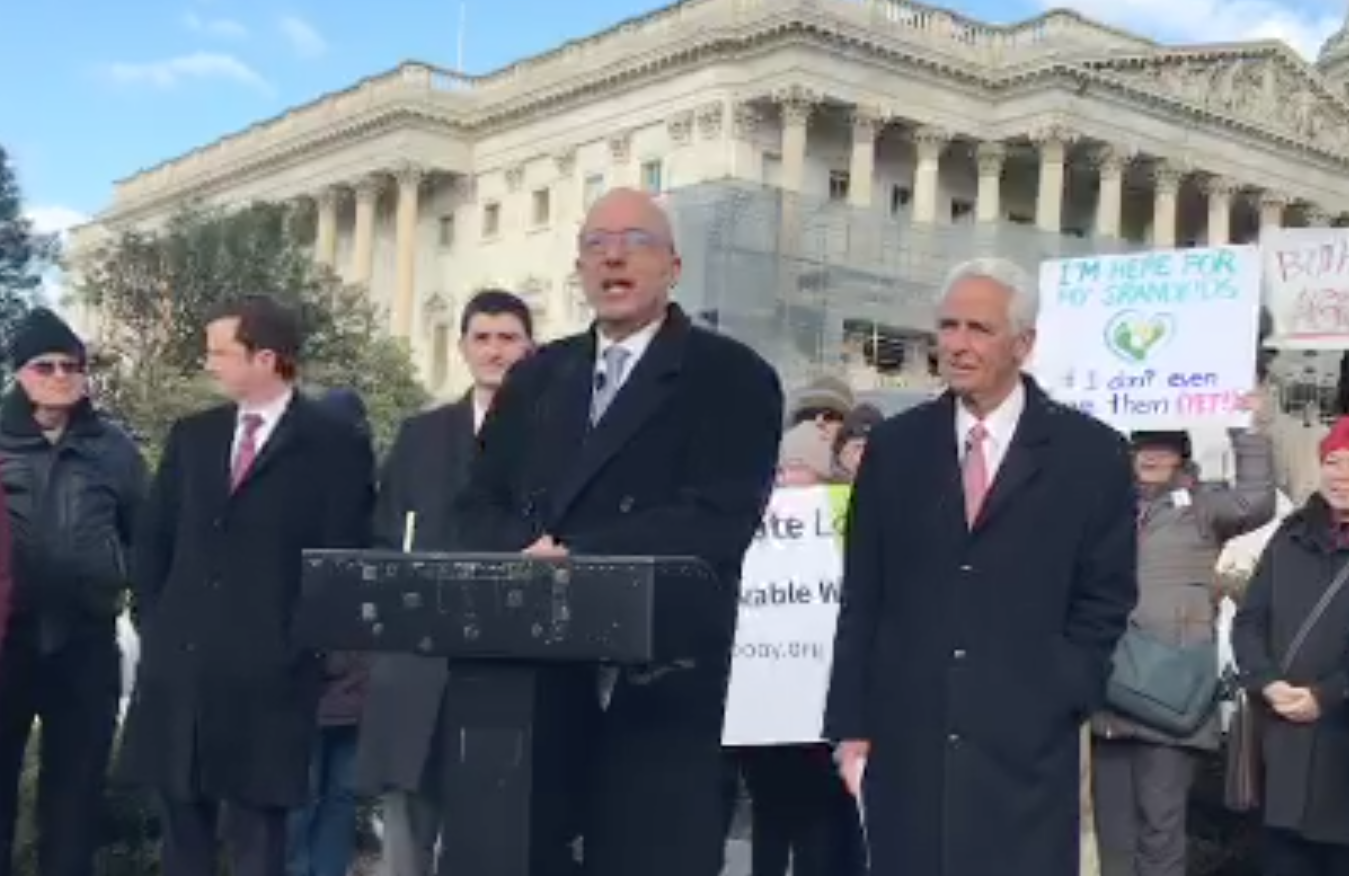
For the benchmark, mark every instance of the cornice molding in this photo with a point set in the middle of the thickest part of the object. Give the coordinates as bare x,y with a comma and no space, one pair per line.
796,26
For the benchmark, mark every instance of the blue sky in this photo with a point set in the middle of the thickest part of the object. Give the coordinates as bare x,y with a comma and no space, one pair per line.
94,90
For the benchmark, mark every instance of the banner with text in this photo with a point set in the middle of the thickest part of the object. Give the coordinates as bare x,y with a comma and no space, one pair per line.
1164,339
1307,287
788,608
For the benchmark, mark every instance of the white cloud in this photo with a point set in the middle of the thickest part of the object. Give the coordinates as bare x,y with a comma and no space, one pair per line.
304,37
1209,21
171,72
225,28
54,219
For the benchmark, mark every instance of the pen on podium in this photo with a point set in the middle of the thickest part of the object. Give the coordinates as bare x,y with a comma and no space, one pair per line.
409,531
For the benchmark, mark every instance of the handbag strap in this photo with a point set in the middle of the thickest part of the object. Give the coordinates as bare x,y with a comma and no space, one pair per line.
1313,618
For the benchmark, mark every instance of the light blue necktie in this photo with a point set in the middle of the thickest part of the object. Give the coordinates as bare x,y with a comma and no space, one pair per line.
608,381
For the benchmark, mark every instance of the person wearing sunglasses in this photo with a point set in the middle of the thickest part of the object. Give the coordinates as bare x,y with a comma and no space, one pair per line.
73,482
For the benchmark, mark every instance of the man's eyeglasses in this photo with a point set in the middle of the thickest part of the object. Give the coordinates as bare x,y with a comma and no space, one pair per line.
49,368
631,240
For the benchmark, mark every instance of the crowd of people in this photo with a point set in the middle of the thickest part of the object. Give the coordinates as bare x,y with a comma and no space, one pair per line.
1000,551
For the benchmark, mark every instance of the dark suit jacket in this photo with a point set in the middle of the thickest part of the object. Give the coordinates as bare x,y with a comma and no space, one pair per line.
224,703
681,465
970,659
424,473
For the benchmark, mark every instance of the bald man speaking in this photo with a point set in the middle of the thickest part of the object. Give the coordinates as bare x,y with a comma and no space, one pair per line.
645,435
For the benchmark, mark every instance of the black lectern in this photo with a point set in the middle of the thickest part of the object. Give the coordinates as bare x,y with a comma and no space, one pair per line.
524,638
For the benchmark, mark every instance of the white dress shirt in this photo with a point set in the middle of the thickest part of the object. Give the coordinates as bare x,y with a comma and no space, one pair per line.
271,414
635,343
479,414
1000,424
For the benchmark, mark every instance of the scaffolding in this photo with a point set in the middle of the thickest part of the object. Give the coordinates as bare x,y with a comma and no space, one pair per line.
818,286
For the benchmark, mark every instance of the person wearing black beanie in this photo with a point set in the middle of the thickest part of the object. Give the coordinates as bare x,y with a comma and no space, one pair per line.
73,483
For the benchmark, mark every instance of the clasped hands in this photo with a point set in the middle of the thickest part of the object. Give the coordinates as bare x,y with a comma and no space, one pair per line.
545,549
1295,704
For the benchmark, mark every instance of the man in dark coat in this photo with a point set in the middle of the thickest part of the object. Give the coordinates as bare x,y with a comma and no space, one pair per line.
425,471
989,572
643,436
74,483
224,706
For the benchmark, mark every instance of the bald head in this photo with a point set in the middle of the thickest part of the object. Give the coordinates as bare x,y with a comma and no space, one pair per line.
629,208
627,261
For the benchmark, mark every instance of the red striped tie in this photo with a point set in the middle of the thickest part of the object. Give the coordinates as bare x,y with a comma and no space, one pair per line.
248,450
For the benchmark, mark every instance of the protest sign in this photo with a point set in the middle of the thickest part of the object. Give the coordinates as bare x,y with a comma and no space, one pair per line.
1164,339
788,608
1307,287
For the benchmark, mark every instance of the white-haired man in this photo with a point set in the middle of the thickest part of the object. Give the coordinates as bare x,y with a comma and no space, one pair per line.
990,570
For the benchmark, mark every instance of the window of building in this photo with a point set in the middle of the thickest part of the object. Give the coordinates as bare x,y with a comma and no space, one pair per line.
652,179
491,220
447,230
962,210
440,355
594,187
1020,218
542,207
839,181
900,196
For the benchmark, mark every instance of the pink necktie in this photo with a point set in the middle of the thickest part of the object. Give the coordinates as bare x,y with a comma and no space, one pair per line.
975,473
248,450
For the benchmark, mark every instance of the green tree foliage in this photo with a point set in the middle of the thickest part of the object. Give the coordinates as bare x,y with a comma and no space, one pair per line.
24,254
156,289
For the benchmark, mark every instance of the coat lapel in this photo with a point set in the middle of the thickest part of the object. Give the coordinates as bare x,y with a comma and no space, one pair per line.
1025,458
643,394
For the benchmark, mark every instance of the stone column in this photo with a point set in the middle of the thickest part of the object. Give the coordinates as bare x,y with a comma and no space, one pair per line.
929,143
1272,205
620,156
409,179
709,120
1316,217
797,106
363,247
991,157
746,161
1053,141
866,126
1110,162
325,238
1219,190
566,196
1166,179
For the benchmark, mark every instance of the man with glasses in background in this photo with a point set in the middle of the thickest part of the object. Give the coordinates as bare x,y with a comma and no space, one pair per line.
73,482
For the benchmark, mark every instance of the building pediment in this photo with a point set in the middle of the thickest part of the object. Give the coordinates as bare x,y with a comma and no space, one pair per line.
1264,87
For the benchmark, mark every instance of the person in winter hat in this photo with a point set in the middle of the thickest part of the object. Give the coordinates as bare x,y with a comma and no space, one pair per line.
73,483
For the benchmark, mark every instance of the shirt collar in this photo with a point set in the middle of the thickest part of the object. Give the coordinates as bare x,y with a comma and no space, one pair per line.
271,411
1000,423
635,343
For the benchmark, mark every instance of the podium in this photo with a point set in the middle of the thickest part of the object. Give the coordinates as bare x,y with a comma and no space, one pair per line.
525,639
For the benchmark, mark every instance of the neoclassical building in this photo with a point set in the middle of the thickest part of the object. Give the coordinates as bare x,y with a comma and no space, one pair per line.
429,184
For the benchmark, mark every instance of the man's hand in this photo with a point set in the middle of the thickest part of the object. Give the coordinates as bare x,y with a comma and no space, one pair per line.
1300,706
851,757
1279,695
545,549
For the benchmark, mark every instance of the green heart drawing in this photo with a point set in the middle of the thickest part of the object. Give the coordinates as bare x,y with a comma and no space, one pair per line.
1134,336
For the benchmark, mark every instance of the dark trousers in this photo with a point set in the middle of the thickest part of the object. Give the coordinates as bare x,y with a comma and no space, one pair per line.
74,692
323,834
802,813
1287,854
254,838
1140,793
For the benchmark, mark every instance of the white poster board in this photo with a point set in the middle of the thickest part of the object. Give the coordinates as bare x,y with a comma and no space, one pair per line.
1306,272
1164,339
788,608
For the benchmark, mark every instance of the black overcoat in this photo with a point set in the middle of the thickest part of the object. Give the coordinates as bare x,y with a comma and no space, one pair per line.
682,464
970,659
423,474
1306,765
225,702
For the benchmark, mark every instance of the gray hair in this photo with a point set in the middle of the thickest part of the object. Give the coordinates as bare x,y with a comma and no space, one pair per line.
1023,309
